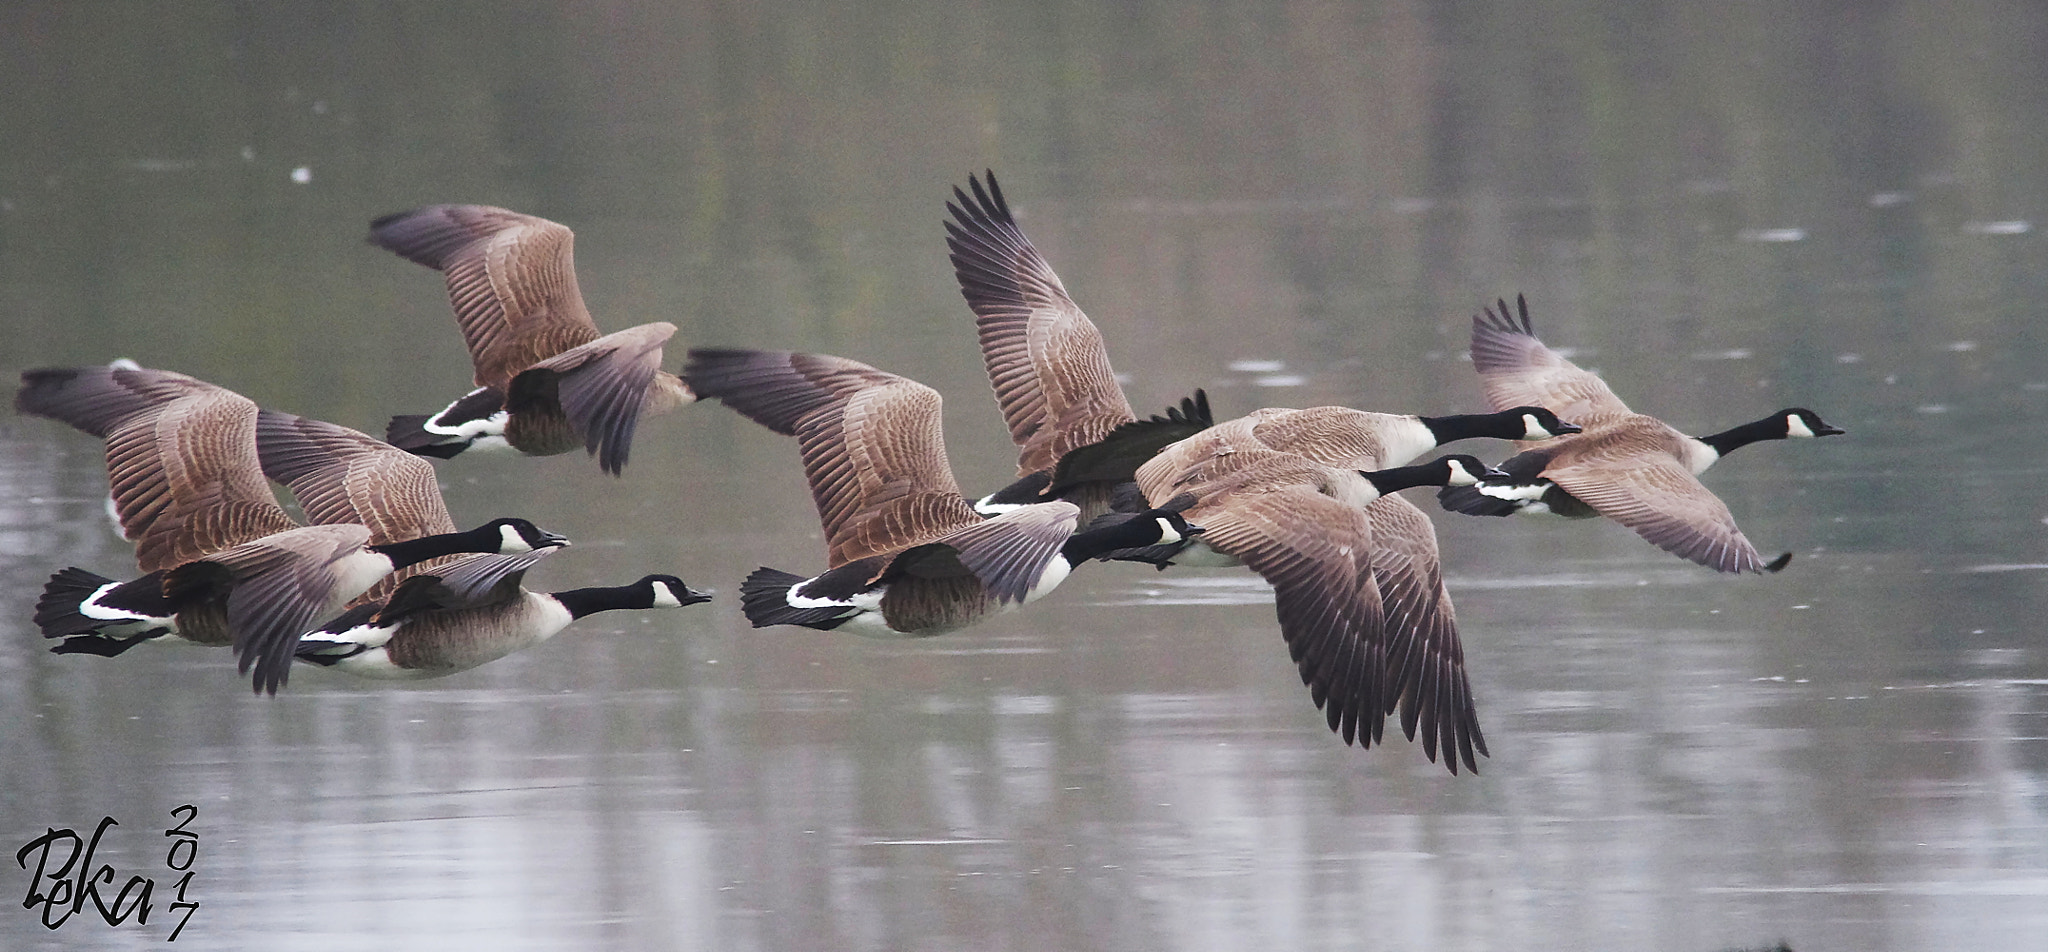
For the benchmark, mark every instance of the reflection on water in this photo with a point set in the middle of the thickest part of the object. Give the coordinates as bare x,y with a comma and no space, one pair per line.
1724,209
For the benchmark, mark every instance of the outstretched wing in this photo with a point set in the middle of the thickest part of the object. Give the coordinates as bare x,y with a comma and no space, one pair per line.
1425,660
1045,359
181,456
873,449
511,280
1315,551
1517,370
1665,503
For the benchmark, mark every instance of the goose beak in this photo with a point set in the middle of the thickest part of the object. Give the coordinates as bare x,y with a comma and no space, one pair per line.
1495,472
1826,430
551,539
1567,429
691,596
1193,530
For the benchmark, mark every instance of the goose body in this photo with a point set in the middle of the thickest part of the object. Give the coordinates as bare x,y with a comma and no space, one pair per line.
1075,433
462,611
223,564
1627,466
468,613
546,381
906,554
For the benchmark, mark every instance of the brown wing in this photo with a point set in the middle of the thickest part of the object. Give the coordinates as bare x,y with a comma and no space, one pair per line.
1316,553
1333,436
1045,359
181,456
1657,496
1517,370
283,583
1206,455
873,450
1010,552
601,387
342,476
1426,662
511,280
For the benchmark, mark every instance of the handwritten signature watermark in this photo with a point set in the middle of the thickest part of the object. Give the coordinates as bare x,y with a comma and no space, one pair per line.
65,879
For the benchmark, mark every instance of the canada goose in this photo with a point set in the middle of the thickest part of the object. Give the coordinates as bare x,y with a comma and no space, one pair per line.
1076,436
224,564
458,615
546,382
1632,468
906,555
467,613
1075,433
1356,581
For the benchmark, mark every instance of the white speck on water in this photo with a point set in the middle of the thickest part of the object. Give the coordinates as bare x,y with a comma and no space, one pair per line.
164,165
1960,346
2015,227
1797,608
1931,408
1411,206
1891,378
1257,366
2034,386
1771,235
1889,199
1280,380
302,175
248,153
319,107
1848,358
1732,353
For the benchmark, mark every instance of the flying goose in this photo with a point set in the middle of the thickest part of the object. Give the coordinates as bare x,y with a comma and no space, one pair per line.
1629,467
546,382
1075,433
224,564
467,613
441,616
906,554
1356,582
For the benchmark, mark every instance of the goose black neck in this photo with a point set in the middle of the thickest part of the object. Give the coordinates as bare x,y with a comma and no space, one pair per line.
1730,440
1505,425
1434,473
590,601
414,551
1141,529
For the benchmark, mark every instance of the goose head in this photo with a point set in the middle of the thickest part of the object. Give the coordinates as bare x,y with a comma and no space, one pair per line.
515,535
668,591
1538,423
1801,422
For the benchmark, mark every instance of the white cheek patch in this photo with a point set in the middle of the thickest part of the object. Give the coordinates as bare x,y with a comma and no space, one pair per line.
1795,426
1532,430
510,541
665,597
493,425
1167,533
